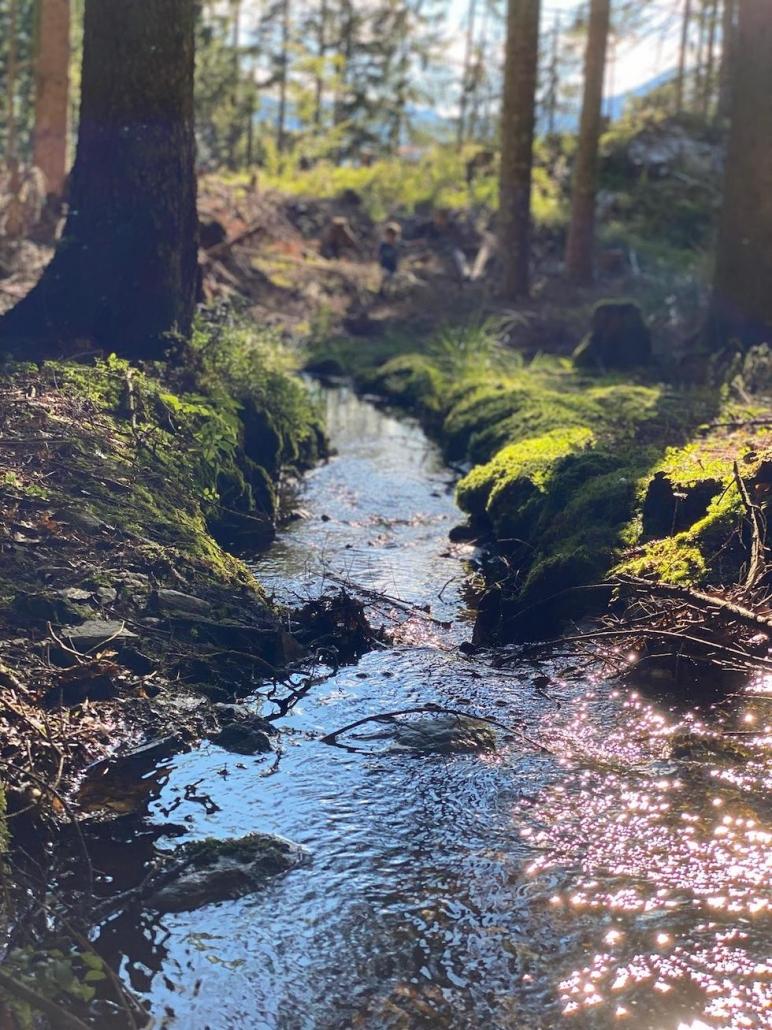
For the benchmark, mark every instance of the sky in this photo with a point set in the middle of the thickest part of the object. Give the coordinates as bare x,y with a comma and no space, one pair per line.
635,62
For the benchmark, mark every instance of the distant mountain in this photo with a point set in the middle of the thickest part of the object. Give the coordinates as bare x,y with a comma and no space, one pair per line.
614,106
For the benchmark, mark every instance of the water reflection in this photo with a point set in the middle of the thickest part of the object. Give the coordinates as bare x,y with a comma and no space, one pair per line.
621,879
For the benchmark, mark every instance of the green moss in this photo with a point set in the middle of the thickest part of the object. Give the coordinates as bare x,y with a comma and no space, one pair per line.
412,380
508,488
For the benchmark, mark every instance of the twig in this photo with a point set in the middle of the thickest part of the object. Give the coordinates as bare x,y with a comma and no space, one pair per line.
701,600
756,566
657,634
331,738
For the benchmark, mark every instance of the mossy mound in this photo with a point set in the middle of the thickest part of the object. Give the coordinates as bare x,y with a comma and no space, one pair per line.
510,489
565,474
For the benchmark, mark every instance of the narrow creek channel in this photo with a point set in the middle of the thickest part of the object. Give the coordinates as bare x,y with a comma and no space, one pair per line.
616,880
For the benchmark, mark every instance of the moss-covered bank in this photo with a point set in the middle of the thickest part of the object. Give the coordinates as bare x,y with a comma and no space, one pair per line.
574,476
119,487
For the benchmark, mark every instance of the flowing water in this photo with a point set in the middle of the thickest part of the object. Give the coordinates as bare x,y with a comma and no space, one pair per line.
618,878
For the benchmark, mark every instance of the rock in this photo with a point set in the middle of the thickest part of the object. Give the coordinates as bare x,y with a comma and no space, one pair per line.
95,632
440,734
618,338
242,731
208,871
107,595
28,606
75,594
135,661
243,738
133,581
463,533
175,602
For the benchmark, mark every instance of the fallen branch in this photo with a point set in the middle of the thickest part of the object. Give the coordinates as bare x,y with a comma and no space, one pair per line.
222,248
701,600
377,595
757,562
658,634
331,738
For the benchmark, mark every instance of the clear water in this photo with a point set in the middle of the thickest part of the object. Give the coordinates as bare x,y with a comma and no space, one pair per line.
602,883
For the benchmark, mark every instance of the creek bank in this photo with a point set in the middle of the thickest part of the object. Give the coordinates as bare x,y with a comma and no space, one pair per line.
570,478
122,615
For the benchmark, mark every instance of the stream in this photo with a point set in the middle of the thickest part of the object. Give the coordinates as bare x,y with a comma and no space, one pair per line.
618,878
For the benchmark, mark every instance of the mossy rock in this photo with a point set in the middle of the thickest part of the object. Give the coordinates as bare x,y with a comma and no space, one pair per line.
411,380
501,488
209,871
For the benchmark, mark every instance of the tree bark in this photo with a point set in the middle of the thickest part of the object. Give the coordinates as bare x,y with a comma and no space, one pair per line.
52,84
466,73
124,275
742,301
725,74
517,129
708,86
281,117
682,56
581,233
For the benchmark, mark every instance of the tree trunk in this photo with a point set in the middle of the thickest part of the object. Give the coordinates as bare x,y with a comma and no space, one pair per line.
11,73
281,117
742,302
322,55
466,73
726,72
52,83
710,62
124,275
581,233
517,129
682,56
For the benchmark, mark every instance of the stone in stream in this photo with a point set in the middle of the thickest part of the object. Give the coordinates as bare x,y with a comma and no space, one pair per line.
242,731
440,734
208,871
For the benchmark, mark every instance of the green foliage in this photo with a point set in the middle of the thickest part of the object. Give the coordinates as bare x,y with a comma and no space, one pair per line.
64,978
437,179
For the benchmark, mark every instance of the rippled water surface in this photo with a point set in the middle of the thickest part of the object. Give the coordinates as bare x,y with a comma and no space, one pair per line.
621,877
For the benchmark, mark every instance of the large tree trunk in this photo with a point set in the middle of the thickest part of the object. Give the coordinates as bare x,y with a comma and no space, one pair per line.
124,275
52,82
581,233
517,128
742,304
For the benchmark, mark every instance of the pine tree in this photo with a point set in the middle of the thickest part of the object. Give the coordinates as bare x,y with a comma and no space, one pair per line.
742,304
517,130
581,233
52,78
124,275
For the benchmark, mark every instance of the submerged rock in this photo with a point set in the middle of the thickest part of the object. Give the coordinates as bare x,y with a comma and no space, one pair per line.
244,738
440,734
205,872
